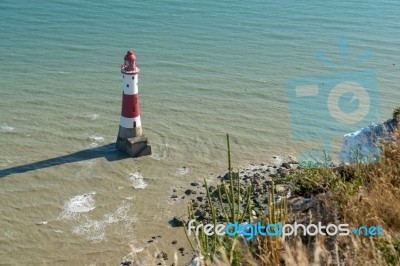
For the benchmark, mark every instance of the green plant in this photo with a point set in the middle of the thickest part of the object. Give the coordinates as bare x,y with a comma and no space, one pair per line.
230,202
312,161
312,181
235,208
390,251
268,250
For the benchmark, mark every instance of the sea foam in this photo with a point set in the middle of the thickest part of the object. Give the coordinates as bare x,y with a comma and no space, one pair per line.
78,204
183,170
96,138
137,180
6,128
96,229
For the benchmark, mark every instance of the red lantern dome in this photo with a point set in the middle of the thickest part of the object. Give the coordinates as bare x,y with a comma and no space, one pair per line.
129,65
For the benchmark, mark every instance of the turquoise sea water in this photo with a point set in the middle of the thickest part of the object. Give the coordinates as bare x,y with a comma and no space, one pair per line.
207,68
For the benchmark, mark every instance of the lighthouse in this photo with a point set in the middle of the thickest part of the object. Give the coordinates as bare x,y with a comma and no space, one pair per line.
130,136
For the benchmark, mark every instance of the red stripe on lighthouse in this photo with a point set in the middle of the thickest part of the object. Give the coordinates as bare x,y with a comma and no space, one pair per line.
130,106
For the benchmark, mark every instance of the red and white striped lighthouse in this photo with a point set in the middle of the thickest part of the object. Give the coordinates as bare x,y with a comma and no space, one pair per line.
130,137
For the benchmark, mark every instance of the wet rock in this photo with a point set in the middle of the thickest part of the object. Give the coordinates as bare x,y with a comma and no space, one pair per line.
235,175
181,249
200,199
281,172
178,221
201,214
256,182
174,242
188,192
162,255
194,184
174,196
126,263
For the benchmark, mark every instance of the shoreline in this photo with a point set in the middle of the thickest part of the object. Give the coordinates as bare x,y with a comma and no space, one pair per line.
259,177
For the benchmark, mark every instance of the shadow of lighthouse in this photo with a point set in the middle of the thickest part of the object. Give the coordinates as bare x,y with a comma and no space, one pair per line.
108,151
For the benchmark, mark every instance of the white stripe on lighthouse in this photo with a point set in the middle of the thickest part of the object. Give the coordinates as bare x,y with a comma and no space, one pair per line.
128,122
130,86
135,86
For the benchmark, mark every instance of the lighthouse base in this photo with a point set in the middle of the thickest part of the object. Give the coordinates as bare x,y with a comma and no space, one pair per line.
134,147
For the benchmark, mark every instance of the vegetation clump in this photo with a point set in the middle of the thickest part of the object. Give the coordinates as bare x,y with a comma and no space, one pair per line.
358,195
396,114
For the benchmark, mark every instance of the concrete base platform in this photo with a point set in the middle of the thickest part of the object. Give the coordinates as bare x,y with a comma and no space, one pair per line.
134,147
